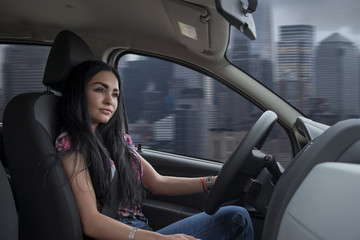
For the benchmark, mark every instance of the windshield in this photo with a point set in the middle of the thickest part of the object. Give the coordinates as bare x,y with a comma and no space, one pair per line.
308,53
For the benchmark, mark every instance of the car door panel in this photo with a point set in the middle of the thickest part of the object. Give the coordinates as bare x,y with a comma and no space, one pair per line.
163,210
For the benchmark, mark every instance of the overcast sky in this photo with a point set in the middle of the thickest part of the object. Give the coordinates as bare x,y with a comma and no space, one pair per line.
328,16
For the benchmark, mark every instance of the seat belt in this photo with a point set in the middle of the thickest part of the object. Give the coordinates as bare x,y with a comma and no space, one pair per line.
111,208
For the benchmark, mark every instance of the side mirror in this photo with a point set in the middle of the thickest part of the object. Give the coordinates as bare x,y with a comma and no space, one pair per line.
239,15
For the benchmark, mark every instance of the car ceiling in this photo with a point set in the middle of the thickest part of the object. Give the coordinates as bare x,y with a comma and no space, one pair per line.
142,25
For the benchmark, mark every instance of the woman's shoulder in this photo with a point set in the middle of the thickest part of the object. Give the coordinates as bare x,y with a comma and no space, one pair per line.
128,139
62,143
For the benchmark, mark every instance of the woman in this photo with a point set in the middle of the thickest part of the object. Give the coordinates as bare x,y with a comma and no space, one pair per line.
95,153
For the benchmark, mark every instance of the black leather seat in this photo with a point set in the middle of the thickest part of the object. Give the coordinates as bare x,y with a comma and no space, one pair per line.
46,206
8,217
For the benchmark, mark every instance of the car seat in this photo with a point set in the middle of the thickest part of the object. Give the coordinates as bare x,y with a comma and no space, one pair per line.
8,217
44,200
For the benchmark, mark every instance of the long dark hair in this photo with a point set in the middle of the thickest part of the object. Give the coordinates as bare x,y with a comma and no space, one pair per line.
107,142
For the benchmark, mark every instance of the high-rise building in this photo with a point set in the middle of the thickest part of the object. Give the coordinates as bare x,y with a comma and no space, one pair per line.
233,111
147,82
191,123
337,76
295,59
153,103
22,62
255,57
222,143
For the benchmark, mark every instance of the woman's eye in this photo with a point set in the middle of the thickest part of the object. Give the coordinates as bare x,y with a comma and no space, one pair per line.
100,90
115,95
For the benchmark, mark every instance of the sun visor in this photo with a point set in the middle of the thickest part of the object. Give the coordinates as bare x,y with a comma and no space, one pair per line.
238,14
190,23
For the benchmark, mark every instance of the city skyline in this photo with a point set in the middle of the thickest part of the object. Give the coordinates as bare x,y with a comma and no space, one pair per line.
328,16
171,107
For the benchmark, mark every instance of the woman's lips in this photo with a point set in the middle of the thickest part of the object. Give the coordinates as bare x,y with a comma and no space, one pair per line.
106,111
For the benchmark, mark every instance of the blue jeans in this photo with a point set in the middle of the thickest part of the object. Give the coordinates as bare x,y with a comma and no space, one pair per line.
228,223
134,222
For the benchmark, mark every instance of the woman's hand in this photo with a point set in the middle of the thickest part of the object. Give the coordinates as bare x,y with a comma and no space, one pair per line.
143,234
178,237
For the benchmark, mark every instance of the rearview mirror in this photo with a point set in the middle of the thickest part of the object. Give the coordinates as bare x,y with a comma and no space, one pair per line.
239,15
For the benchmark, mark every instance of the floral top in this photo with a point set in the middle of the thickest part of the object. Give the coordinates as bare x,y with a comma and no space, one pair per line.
63,144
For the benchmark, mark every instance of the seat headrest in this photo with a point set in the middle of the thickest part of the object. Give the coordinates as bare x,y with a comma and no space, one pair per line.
67,51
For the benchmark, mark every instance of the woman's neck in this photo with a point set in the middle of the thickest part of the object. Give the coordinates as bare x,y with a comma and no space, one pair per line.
94,126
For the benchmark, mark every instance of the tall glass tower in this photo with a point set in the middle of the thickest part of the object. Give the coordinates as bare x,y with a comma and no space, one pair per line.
337,76
295,58
22,62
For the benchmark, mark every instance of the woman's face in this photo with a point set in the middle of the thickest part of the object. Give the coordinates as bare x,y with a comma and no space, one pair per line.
102,96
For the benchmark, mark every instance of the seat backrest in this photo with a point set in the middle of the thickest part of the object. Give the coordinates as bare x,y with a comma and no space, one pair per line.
45,203
2,152
8,216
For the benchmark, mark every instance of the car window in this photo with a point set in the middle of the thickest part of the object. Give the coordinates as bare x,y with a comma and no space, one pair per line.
175,109
305,54
21,70
170,108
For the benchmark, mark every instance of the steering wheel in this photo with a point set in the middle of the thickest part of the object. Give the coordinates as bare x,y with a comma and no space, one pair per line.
240,166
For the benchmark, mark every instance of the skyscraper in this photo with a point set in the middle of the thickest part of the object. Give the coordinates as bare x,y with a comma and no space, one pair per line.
146,81
295,57
337,76
22,62
255,57
191,122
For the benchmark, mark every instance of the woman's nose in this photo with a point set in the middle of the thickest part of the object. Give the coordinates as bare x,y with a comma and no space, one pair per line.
108,99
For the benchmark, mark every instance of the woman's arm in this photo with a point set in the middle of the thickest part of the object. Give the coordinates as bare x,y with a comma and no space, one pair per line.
95,224
167,185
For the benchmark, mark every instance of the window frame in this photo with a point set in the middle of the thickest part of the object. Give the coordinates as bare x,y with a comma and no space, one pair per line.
116,55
